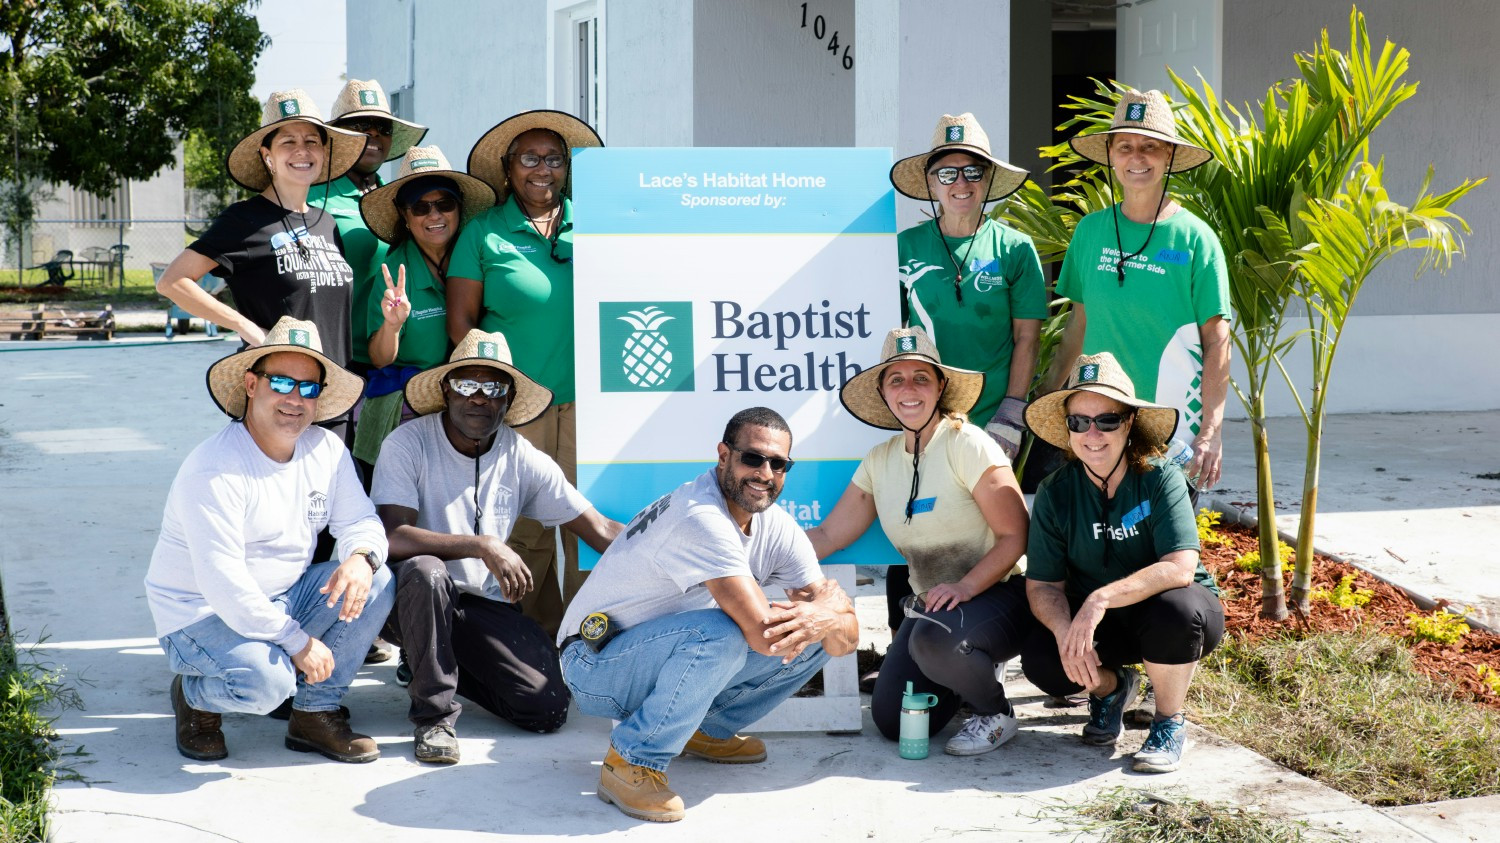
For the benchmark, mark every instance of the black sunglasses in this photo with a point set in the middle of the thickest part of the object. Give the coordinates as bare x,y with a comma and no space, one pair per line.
367,125
284,384
971,173
467,387
751,459
444,204
1106,422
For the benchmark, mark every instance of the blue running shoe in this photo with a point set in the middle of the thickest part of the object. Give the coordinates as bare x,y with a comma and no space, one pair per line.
1162,752
1107,716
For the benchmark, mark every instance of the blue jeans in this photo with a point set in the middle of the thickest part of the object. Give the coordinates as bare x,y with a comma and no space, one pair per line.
668,677
224,671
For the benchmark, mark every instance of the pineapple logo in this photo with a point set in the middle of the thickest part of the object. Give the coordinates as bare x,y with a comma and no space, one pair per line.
646,346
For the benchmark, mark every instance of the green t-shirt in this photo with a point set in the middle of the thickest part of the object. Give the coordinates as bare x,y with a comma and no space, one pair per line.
362,249
1149,517
1151,322
424,336
1002,280
528,296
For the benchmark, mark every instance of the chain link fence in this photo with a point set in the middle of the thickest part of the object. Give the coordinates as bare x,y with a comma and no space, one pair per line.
95,253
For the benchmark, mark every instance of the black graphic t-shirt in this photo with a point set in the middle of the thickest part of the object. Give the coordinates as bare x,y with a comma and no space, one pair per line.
282,263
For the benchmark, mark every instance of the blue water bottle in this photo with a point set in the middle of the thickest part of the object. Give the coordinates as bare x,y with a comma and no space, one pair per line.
914,728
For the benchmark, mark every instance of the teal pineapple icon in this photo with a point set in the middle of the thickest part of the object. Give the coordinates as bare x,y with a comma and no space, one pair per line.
646,355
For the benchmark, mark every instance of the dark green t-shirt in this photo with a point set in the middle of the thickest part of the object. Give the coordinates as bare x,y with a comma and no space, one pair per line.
528,296
1002,280
1149,517
362,249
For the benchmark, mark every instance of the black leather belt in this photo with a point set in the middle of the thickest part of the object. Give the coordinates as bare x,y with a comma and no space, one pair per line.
568,642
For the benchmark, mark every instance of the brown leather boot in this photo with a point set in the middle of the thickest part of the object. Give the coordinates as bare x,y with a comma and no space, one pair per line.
739,749
199,733
639,792
328,732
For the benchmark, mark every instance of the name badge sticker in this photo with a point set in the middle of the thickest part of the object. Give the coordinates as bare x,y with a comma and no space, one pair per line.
1136,516
923,505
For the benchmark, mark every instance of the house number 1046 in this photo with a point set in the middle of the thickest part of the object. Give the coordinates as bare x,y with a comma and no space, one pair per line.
820,29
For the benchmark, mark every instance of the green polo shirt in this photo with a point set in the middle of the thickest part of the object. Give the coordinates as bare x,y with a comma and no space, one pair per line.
424,336
1078,538
362,249
528,296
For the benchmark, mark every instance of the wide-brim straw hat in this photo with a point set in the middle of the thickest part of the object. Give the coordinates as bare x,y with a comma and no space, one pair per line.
248,168
487,158
861,395
226,378
425,395
956,134
378,207
1143,113
367,99
1101,374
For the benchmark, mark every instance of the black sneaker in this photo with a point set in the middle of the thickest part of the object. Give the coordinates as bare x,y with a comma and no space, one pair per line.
403,672
1107,715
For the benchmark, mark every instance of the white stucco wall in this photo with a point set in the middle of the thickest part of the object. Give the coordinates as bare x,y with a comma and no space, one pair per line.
650,72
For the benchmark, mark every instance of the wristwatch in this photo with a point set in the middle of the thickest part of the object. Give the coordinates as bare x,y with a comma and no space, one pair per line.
371,557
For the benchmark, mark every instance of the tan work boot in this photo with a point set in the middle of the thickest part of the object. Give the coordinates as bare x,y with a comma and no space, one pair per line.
639,792
328,732
740,749
199,733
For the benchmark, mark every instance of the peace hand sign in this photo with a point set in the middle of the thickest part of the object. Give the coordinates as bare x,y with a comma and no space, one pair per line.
394,303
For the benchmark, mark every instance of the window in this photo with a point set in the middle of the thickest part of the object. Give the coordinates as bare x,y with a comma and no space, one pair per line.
102,211
575,74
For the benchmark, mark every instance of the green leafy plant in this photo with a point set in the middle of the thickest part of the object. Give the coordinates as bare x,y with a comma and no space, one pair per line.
1490,677
1208,529
1442,626
1252,561
1345,595
31,696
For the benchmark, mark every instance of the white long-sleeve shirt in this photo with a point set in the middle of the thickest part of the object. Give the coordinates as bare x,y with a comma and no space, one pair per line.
240,529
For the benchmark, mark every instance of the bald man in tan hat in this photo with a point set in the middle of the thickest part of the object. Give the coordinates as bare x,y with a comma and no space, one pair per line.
245,614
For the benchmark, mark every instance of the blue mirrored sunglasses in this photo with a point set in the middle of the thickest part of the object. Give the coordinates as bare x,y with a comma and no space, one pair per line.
284,384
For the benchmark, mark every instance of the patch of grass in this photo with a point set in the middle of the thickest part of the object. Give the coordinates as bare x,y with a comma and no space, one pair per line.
1350,710
1251,561
31,696
1345,595
1124,814
1208,529
1441,626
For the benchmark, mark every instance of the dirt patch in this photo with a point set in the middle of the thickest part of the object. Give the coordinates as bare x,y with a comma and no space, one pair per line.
1454,666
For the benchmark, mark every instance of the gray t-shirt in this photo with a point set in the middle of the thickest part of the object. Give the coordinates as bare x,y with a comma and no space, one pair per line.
659,563
420,469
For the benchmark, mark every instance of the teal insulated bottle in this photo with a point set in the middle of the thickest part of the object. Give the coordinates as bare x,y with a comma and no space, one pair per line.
914,726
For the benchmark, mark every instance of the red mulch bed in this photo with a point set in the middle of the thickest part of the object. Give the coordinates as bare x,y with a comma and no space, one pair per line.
1451,665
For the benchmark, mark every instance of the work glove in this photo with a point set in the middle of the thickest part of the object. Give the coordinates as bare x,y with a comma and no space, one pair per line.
1007,425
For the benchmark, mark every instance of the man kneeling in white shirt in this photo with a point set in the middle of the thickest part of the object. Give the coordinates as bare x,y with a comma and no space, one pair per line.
244,615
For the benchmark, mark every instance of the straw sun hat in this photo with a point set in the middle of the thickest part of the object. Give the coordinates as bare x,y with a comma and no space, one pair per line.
487,158
245,163
378,207
1143,113
861,395
226,378
425,395
956,134
367,99
1099,373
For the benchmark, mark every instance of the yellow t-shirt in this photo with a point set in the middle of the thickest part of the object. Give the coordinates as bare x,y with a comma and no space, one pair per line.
947,535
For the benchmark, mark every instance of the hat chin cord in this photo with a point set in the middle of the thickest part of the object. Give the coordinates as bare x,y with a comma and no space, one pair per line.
916,451
1115,212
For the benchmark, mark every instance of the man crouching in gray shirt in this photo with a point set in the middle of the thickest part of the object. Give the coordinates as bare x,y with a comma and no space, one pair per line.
449,486
700,653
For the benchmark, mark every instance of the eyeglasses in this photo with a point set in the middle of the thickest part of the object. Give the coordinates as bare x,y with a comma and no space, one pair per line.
284,384
467,387
1106,422
367,125
444,204
529,160
971,173
751,459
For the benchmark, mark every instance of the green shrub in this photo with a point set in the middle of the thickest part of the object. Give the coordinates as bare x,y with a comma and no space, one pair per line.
1345,595
1208,529
1251,561
1441,626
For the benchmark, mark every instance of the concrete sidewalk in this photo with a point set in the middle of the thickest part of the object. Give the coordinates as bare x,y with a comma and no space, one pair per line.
90,440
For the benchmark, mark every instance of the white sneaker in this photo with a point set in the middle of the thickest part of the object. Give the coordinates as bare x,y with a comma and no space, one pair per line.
981,733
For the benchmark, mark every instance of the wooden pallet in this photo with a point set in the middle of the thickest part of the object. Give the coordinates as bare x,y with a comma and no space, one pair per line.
44,324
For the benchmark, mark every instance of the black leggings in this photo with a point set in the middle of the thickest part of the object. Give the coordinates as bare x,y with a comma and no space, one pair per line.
958,666
1177,626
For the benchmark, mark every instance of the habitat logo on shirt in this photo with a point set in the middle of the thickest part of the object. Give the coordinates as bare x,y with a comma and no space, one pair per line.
646,346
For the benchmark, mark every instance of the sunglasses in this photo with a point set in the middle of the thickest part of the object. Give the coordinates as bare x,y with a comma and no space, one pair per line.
971,172
444,205
466,387
284,384
750,459
366,126
553,162
913,606
1106,422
